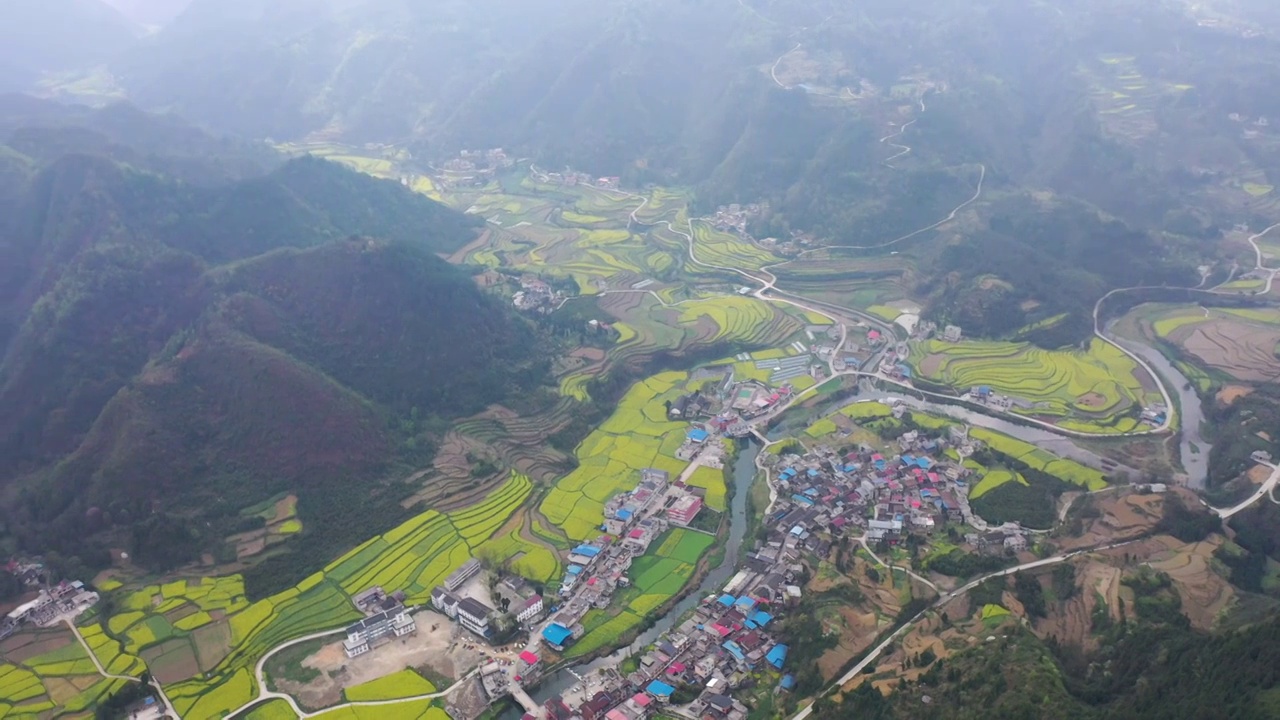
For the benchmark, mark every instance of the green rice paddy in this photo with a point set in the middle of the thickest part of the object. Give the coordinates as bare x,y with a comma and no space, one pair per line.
1088,390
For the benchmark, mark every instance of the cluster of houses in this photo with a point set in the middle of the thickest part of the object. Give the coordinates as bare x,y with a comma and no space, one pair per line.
536,295
521,600
473,168
573,178
64,600
825,494
633,520
734,217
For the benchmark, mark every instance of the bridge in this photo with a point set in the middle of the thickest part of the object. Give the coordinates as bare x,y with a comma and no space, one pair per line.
526,702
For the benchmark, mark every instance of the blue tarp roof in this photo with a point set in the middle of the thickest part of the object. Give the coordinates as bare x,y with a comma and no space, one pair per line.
659,689
734,650
698,435
802,499
788,682
777,656
749,625
813,472
748,603
575,569
556,634
761,618
726,600
624,514
586,550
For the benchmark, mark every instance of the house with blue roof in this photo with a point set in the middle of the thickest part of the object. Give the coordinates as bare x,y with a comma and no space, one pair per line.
745,604
777,656
557,636
698,435
802,499
761,618
624,514
726,600
735,651
788,682
660,690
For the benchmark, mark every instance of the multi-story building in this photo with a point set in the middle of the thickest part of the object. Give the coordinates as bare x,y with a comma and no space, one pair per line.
532,609
376,629
684,510
474,616
445,601
468,570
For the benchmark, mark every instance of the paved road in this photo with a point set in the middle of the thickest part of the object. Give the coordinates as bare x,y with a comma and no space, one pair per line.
1264,489
872,656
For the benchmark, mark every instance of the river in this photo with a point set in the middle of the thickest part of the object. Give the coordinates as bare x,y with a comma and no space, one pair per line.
744,472
1194,449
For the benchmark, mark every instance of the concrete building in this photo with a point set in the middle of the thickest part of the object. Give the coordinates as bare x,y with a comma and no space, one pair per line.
445,601
684,510
460,576
377,629
532,609
474,616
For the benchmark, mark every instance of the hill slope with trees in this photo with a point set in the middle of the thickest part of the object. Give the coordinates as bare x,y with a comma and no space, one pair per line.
177,352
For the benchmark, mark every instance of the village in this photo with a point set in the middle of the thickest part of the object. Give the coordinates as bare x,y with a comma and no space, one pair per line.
728,641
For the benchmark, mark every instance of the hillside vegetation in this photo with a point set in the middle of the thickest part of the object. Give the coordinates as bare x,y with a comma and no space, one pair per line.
176,353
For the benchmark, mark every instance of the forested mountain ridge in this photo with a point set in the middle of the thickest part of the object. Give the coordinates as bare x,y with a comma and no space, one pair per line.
177,352
856,124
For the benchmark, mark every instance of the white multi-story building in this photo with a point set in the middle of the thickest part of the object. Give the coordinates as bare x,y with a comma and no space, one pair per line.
532,609
376,629
474,616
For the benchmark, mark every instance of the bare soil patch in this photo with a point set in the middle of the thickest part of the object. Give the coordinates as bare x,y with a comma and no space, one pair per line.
442,649
588,353
1204,593
212,643
931,364
1258,474
172,661
1229,394
1091,400
36,643
1244,351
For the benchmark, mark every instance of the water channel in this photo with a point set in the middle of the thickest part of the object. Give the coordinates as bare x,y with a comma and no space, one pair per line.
1194,452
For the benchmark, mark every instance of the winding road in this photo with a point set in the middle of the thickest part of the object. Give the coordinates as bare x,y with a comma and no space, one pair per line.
265,694
164,699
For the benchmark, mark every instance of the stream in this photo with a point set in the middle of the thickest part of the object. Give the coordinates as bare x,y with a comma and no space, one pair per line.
1194,454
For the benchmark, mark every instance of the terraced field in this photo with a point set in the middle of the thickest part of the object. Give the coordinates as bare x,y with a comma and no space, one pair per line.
1094,390
1228,344
610,458
205,636
48,670
1024,452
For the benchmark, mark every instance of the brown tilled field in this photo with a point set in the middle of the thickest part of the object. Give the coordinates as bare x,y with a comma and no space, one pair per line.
1229,394
1204,593
1243,350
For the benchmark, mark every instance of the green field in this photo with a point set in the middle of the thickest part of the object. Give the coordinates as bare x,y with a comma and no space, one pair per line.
414,557
1092,391
405,683
610,458
656,577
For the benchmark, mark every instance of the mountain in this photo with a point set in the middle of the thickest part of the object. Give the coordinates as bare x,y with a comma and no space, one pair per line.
179,352
39,37
1084,138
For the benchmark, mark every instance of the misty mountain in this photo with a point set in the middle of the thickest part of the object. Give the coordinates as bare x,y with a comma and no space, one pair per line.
181,351
48,36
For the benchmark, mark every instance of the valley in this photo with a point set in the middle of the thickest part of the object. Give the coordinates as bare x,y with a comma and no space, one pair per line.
791,360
